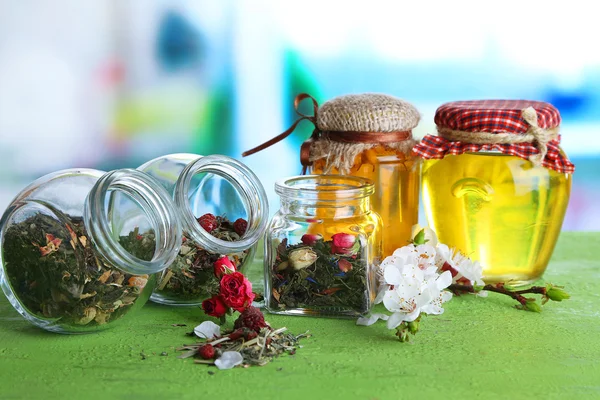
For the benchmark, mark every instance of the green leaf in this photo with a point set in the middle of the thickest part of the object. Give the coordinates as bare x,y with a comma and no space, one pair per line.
420,238
556,293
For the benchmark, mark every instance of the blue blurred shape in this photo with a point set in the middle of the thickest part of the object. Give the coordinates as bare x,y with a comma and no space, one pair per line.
179,43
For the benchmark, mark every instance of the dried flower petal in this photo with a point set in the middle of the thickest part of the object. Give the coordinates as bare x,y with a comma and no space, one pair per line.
229,359
208,330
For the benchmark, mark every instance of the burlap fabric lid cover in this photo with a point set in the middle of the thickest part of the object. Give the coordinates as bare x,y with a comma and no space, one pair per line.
350,124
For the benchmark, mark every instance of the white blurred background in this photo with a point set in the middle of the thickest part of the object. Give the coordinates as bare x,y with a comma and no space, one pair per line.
112,83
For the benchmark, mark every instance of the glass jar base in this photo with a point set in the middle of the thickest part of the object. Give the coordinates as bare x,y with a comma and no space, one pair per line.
174,302
512,279
329,312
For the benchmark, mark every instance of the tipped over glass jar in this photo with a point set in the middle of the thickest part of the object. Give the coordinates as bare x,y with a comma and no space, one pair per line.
80,248
223,210
322,247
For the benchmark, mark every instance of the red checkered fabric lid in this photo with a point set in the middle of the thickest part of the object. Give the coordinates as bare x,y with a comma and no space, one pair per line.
527,129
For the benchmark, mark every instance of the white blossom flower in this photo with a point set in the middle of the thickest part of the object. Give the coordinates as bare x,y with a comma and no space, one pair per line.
371,319
465,268
411,285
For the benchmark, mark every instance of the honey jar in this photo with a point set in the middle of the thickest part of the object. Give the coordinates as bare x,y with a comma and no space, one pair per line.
496,184
369,136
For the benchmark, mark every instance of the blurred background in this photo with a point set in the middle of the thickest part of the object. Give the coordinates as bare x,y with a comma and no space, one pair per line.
109,83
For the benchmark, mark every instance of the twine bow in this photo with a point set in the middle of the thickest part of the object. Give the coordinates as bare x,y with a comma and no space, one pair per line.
538,136
305,149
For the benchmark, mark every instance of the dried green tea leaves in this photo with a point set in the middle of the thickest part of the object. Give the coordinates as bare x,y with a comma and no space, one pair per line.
56,274
191,276
319,274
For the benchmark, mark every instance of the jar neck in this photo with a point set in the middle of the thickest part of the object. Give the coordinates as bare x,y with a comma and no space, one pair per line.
325,196
325,209
248,186
155,203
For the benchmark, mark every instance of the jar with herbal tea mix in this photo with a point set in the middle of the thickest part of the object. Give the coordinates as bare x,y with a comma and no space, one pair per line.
496,184
80,247
322,247
369,136
223,210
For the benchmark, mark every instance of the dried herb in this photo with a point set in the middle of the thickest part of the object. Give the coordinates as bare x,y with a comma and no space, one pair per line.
192,275
55,272
255,349
320,274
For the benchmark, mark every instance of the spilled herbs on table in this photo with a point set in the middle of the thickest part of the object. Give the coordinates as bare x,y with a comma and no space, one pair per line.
56,273
317,273
191,276
252,342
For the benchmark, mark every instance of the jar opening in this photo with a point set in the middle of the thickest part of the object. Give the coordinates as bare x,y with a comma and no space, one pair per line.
130,203
325,187
223,187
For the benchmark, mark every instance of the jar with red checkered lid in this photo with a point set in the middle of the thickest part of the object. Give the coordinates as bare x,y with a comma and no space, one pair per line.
496,184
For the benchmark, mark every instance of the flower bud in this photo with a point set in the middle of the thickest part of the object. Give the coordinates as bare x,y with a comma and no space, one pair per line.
223,265
532,305
556,293
310,240
422,235
302,258
344,243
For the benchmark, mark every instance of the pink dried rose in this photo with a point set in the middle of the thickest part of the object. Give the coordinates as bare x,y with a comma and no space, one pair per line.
223,265
310,239
344,243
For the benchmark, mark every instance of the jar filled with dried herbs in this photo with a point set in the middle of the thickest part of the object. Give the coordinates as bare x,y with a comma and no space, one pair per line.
322,247
223,209
370,136
80,248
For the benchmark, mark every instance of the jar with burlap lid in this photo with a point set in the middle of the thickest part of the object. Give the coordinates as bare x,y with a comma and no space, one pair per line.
370,136
496,184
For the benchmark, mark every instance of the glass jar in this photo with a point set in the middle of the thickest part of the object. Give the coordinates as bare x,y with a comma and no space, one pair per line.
80,247
396,177
223,210
322,247
504,210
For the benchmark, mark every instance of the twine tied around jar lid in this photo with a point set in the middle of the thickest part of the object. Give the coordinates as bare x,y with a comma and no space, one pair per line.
538,136
348,125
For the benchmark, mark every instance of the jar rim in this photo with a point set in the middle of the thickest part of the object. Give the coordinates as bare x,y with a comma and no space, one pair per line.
245,182
312,187
154,201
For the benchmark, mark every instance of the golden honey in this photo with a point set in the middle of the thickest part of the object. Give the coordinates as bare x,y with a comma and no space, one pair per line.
498,209
396,180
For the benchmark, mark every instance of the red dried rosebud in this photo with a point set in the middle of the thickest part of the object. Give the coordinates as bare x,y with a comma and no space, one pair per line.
223,265
344,265
235,335
207,352
208,222
249,335
344,243
310,239
215,307
239,226
236,291
252,319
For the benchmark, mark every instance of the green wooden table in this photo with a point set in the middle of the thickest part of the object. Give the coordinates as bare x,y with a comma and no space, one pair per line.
478,348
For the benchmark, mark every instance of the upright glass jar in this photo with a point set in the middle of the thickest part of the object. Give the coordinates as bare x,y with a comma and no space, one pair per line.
79,247
223,209
370,136
322,247
496,184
